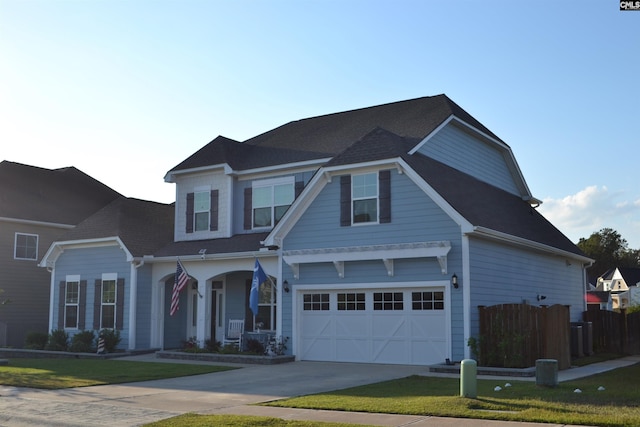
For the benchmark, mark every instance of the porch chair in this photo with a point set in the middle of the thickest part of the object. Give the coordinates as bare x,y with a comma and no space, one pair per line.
234,333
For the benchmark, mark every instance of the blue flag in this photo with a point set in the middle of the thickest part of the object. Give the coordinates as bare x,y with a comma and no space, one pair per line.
259,277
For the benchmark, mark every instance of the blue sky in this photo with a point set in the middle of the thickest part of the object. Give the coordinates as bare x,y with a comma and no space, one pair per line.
125,90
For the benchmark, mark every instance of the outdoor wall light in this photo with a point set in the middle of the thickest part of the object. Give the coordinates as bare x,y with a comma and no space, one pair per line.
454,281
285,286
541,297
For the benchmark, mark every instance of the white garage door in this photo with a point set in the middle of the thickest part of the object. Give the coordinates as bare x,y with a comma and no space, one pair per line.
398,326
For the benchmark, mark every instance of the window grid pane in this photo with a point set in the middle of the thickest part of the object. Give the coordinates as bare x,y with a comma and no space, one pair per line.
26,246
201,208
72,293
108,315
351,301
388,301
315,302
364,191
270,202
427,300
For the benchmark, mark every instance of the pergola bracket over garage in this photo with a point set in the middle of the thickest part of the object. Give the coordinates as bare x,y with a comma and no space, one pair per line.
385,253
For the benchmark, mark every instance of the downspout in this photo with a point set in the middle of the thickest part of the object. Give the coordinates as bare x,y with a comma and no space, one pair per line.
279,294
52,271
466,295
133,301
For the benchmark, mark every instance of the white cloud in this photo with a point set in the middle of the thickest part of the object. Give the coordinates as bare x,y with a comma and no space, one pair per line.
593,208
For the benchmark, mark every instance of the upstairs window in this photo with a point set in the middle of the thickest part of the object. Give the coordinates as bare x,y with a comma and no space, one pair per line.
201,209
364,193
365,198
26,246
270,199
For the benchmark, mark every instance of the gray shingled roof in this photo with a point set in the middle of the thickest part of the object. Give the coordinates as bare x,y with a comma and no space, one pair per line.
333,133
238,243
61,196
631,275
242,156
142,226
479,203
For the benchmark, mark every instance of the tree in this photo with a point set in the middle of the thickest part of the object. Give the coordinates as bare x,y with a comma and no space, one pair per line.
609,250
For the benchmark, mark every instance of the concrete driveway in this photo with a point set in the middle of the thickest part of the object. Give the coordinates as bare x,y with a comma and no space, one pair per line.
139,403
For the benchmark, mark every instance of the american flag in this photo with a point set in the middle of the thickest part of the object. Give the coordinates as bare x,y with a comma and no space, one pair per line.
181,281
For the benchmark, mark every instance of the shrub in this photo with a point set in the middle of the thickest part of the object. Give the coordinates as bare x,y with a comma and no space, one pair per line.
58,340
82,342
212,346
111,339
277,346
36,340
190,343
229,349
255,346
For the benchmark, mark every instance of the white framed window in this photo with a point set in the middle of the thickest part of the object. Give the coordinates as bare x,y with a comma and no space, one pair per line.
71,302
26,246
266,318
270,199
201,210
108,300
364,198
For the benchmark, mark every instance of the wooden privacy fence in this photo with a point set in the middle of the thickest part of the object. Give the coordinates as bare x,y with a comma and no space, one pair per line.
614,332
516,335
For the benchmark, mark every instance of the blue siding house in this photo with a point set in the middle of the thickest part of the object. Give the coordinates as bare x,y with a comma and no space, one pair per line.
382,230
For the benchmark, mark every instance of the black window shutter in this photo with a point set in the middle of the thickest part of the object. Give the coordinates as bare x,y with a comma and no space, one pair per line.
189,213
384,184
213,221
345,200
298,188
61,299
82,305
97,300
248,193
120,304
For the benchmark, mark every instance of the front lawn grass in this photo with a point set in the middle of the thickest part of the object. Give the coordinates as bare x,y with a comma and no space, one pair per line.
617,405
66,373
193,420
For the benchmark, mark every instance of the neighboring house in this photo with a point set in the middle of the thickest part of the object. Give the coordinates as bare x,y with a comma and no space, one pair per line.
99,276
623,284
598,300
382,230
37,206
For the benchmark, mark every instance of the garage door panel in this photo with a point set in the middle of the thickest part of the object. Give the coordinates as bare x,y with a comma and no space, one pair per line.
353,326
318,349
353,350
428,326
389,326
408,333
390,351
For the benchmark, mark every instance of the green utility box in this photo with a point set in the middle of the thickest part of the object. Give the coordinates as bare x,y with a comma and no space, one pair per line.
469,378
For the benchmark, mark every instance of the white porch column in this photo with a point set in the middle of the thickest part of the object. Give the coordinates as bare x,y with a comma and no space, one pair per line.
203,311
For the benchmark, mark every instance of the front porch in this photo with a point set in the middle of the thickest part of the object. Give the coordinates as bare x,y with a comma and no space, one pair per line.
217,291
